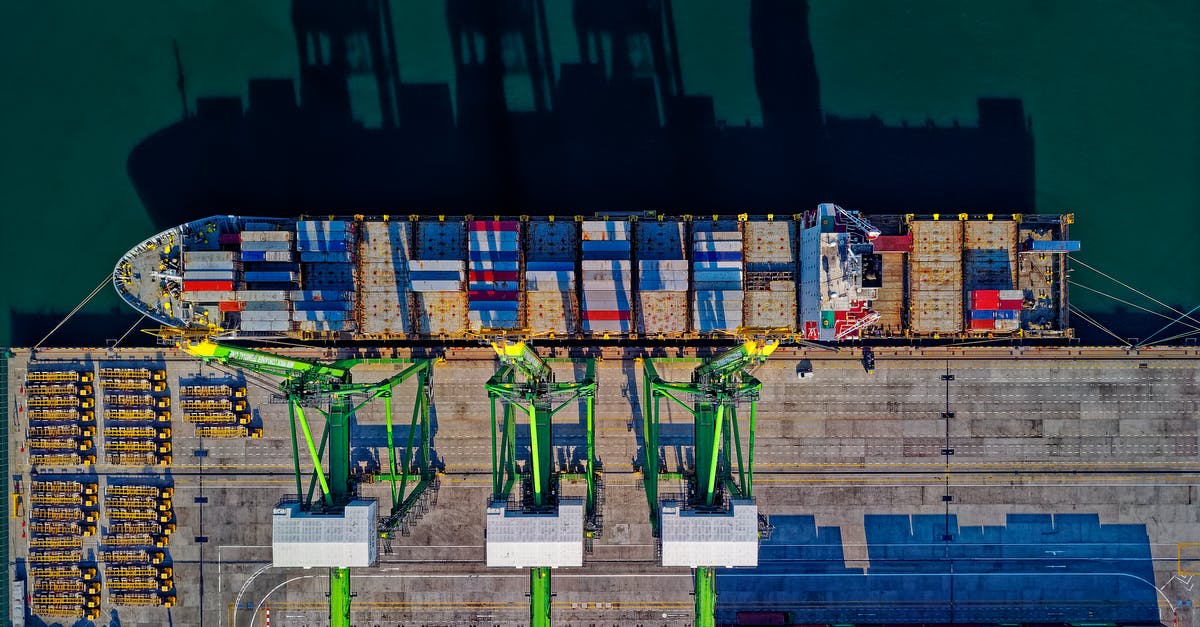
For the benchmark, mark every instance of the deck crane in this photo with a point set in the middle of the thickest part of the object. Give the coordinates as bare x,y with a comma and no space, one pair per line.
541,530
716,523
312,384
859,222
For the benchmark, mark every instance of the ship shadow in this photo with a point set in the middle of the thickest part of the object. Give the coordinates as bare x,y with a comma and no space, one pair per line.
617,129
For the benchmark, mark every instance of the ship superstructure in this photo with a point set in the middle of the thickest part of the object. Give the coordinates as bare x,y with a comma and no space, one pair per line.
826,274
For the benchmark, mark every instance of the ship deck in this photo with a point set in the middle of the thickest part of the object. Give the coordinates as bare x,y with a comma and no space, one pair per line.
1106,433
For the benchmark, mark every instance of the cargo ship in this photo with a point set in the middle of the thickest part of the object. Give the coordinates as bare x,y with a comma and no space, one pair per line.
826,275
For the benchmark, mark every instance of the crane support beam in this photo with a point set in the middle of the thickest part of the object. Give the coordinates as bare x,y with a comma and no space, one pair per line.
717,387
539,597
339,597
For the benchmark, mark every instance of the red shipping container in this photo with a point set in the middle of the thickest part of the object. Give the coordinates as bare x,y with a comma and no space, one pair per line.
208,286
493,226
983,325
1012,304
985,301
493,295
494,275
230,238
605,314
893,243
229,305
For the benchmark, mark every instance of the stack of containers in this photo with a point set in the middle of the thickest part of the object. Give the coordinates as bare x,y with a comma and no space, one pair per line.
494,296
663,271
607,277
998,310
269,271
717,260
208,275
550,301
383,271
438,276
770,275
324,301
1008,315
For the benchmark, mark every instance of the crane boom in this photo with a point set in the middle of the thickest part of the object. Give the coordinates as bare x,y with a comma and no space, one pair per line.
307,383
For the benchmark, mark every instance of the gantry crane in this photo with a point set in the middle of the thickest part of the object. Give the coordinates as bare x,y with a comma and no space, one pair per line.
715,493
536,394
311,384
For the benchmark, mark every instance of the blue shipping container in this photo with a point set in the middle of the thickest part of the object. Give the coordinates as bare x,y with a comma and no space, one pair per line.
498,255
983,314
1006,314
493,305
1054,246
716,256
315,246
549,266
253,255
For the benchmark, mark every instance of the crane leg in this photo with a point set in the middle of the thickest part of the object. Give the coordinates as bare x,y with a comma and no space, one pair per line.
706,597
539,597
339,597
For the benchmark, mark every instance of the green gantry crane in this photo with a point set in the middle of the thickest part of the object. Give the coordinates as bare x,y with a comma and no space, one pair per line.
536,394
717,387
313,384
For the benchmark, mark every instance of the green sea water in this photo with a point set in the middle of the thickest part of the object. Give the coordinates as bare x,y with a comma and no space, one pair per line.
1113,89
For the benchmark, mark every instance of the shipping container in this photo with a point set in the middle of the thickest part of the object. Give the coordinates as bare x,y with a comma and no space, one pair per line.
453,265
733,246
306,245
259,326
550,266
593,230
1006,314
254,255
229,238
551,242
983,314
211,297
504,286
489,275
493,226
206,256
319,295
1012,294
207,286
1012,304
492,255
265,315
267,236
321,225
208,275
436,275
318,315
437,286
259,276
277,255
981,325
1052,246
715,236
262,295
265,246
230,305
266,305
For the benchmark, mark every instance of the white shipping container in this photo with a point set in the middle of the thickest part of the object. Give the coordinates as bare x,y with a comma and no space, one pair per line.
450,265
663,265
605,230
701,266
607,285
437,286
718,246
661,275
209,297
618,265
265,325
547,275
625,278
265,315
277,255
267,236
208,265
1012,294
716,236
208,275
262,295
207,255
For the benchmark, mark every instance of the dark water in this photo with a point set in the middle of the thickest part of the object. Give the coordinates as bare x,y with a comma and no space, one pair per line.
1112,89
